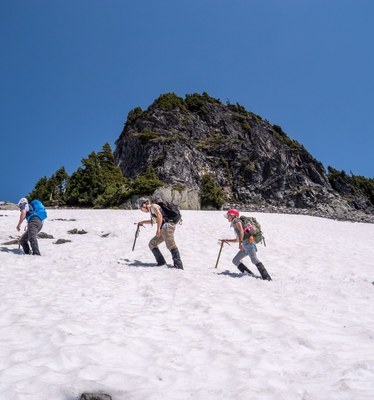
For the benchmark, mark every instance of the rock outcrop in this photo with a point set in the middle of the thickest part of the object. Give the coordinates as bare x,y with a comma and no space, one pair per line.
255,163
5,205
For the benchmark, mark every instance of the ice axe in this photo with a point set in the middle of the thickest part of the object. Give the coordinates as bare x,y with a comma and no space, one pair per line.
220,251
136,235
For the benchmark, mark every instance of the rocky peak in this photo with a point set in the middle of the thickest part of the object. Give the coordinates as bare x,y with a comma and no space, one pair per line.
253,161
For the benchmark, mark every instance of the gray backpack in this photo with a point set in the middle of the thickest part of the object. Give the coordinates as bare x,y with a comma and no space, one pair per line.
252,227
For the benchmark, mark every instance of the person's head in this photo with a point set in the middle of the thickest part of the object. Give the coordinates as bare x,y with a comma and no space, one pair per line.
232,214
22,202
143,205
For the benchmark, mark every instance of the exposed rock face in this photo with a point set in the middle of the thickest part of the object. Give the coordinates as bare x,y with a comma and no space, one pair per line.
187,199
254,162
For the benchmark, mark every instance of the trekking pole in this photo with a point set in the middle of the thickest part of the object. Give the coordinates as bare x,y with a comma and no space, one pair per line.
220,251
136,236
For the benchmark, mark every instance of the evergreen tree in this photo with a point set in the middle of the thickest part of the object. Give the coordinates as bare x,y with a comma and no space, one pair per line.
210,194
40,190
146,184
97,183
56,187
51,190
61,178
112,178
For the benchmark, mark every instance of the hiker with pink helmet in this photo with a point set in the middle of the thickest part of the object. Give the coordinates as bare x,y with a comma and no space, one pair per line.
247,245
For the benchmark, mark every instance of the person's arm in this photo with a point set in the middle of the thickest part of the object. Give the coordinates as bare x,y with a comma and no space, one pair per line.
239,227
228,240
146,221
159,218
239,239
21,219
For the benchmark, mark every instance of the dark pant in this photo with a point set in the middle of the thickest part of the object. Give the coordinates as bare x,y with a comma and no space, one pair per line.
34,226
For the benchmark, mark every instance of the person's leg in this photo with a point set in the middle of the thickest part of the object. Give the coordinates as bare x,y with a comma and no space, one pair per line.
34,227
261,269
153,245
252,253
237,261
24,242
171,245
264,274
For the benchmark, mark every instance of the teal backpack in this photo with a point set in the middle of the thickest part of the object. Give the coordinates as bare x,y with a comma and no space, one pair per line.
252,227
39,210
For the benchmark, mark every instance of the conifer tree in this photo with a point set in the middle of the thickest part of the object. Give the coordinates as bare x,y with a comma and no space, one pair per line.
40,190
210,193
51,190
97,183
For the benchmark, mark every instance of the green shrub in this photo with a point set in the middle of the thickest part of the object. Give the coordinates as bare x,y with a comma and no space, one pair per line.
366,185
255,116
179,188
356,183
146,184
170,101
247,165
134,114
282,137
147,135
279,130
214,141
243,121
224,163
196,103
210,193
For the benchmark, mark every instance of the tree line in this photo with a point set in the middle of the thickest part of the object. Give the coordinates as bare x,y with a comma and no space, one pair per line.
99,183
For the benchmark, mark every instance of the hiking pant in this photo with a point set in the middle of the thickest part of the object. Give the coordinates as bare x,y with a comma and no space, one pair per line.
34,226
250,252
167,236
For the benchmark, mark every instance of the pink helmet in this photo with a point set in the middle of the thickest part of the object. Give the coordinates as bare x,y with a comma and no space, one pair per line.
233,212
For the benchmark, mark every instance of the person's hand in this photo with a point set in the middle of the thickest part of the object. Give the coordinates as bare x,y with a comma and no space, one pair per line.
158,233
18,227
140,224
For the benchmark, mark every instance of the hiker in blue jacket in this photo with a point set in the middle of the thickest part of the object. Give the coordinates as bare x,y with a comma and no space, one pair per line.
246,246
34,226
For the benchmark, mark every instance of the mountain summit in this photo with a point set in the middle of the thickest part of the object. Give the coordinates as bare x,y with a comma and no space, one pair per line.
255,163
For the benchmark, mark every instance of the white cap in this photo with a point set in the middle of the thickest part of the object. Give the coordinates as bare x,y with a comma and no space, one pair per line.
142,201
22,201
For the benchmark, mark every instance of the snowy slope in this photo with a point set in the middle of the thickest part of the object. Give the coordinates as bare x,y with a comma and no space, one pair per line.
83,318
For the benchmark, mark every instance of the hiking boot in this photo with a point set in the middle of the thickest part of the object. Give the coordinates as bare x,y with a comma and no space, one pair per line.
242,268
262,270
176,258
158,256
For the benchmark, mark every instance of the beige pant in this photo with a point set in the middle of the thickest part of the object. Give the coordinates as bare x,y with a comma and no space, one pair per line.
167,236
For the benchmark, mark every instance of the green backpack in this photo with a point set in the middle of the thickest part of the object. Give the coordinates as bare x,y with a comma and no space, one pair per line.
252,227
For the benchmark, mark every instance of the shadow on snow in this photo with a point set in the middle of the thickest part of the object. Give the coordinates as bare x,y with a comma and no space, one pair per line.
8,250
237,274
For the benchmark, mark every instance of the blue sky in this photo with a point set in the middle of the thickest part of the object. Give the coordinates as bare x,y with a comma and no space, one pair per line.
71,70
